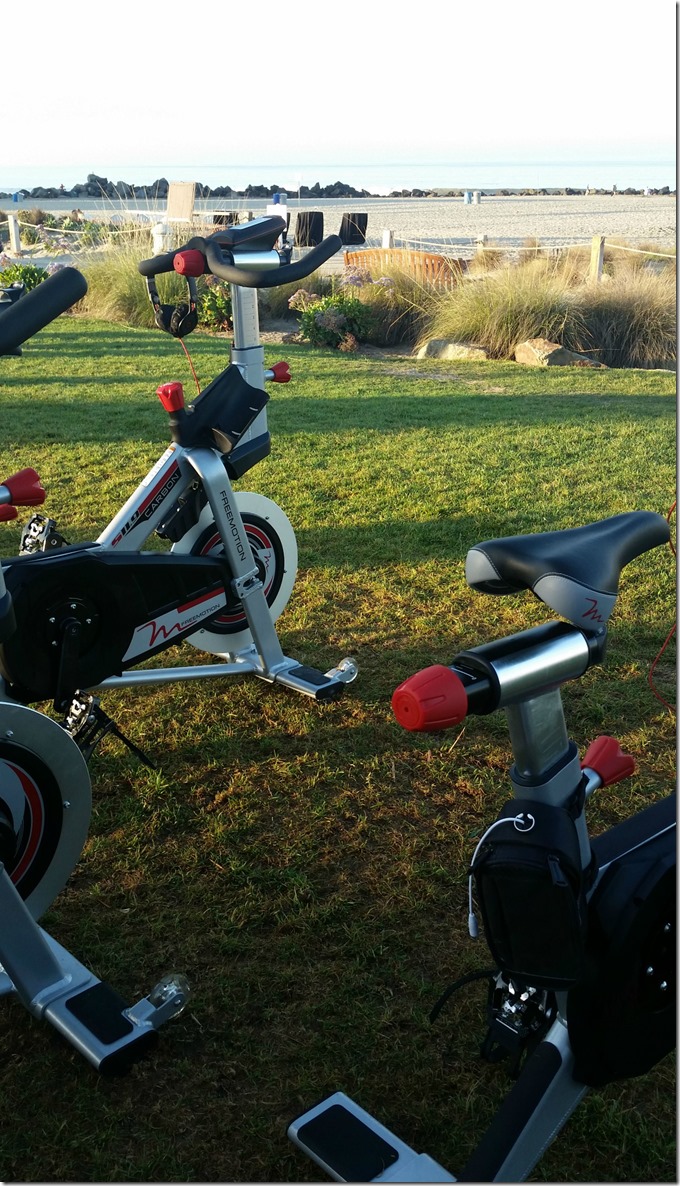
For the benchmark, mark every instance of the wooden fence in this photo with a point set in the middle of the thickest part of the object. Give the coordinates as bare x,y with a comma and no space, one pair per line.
439,271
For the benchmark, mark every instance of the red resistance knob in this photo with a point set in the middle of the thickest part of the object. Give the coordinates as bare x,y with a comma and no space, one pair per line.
171,396
7,513
189,263
280,373
606,758
25,489
432,699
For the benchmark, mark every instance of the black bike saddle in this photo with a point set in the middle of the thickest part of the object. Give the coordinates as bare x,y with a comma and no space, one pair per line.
576,571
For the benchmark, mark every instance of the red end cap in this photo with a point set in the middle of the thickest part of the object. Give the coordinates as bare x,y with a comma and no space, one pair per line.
281,372
431,699
25,488
7,513
189,263
171,396
606,758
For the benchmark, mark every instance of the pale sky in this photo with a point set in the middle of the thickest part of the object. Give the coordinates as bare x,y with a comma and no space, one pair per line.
317,82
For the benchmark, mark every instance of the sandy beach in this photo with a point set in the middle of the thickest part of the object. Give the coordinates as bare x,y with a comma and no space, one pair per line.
444,223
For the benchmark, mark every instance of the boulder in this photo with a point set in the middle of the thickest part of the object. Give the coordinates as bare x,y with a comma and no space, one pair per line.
539,352
443,348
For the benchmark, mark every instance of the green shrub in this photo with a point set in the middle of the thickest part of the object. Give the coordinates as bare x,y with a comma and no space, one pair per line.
30,235
335,320
214,304
29,275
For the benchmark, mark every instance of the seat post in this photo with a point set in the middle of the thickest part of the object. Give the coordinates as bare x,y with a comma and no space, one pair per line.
538,734
547,765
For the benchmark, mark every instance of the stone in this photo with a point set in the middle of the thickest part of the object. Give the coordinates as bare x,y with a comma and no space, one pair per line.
443,348
539,352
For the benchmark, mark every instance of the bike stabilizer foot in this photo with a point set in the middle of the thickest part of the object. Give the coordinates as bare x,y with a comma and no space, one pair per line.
319,685
350,1145
55,987
98,1022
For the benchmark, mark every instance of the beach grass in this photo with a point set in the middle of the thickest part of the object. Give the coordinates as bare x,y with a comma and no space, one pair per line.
628,319
306,866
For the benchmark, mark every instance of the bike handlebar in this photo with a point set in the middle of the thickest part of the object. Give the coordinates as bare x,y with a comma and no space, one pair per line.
217,264
40,306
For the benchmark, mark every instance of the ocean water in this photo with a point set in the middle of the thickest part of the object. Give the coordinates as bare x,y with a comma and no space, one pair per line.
376,178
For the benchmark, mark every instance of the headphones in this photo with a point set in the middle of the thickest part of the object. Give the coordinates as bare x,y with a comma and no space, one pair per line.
178,320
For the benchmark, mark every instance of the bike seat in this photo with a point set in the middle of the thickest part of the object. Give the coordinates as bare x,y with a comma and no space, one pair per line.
575,571
260,234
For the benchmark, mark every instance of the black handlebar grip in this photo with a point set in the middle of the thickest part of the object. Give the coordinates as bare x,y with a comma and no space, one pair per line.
166,261
41,305
158,263
286,274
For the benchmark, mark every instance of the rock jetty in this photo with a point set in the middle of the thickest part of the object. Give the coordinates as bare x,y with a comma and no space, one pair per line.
100,187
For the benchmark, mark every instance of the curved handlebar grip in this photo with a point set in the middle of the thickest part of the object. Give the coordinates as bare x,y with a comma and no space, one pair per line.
432,699
166,261
41,305
157,263
286,274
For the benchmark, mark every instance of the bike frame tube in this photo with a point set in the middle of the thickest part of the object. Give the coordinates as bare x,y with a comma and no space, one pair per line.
146,508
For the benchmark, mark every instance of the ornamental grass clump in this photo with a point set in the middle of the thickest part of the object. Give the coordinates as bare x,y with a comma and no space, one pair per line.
117,292
502,309
397,303
629,321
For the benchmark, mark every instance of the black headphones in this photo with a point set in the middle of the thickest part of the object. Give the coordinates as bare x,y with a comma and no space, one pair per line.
178,320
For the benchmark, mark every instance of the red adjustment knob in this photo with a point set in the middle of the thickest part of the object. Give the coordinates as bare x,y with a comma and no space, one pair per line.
606,758
281,372
189,263
25,489
7,513
171,396
431,699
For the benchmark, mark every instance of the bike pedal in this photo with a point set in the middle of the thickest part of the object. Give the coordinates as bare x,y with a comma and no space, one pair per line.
88,724
350,1145
40,535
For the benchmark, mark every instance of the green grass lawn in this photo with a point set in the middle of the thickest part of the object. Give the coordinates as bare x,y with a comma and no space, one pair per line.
306,865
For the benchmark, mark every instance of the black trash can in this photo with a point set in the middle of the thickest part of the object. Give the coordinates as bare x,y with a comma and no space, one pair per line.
353,229
309,228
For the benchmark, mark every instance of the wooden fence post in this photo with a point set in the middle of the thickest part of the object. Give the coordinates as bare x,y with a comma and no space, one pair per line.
596,259
387,239
14,239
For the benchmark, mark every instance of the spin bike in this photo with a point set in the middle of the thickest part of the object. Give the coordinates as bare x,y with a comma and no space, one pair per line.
87,614
45,803
581,930
45,806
